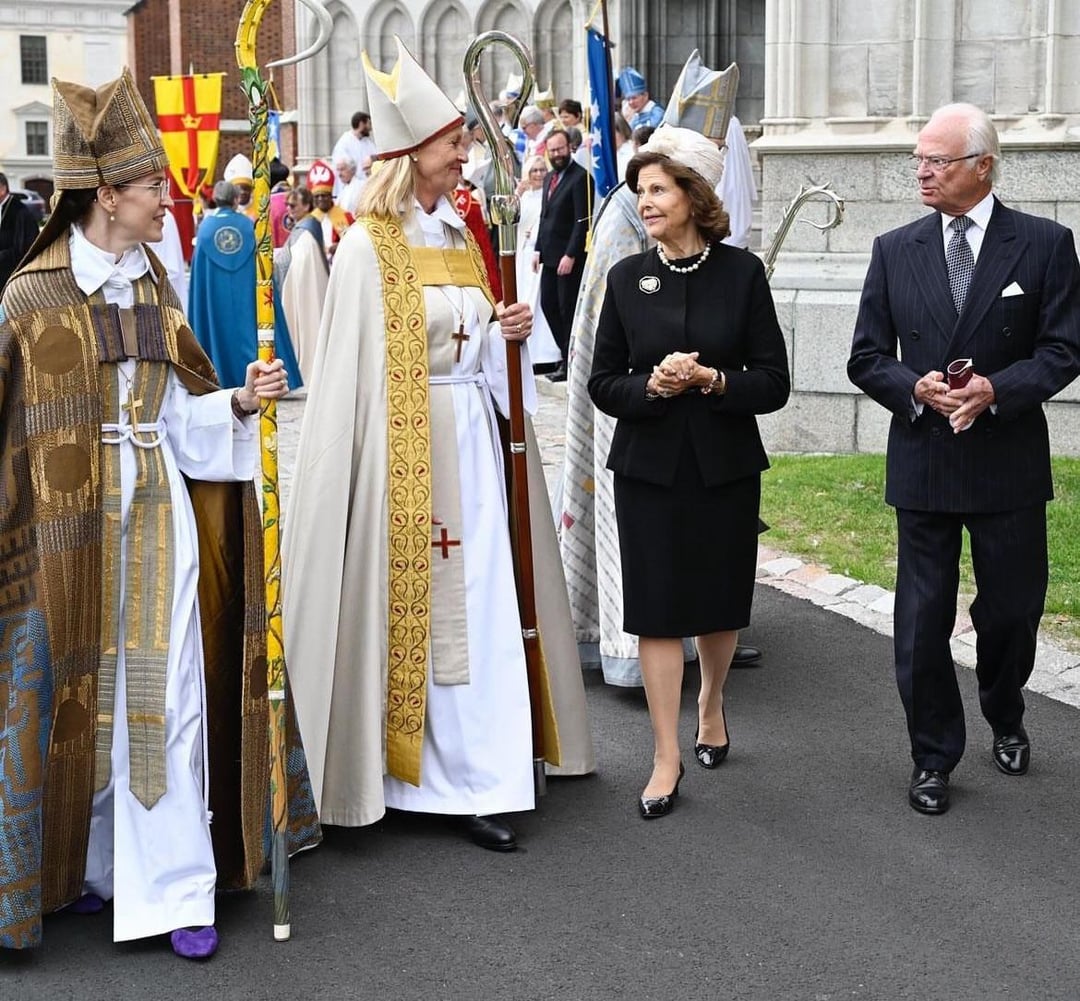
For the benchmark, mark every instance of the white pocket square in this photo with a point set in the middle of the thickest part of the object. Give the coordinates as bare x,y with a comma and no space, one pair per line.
1013,289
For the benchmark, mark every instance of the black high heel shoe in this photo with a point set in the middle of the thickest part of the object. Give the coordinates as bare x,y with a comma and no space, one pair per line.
651,807
712,755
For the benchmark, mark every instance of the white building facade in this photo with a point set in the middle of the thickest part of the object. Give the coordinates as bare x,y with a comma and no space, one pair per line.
84,40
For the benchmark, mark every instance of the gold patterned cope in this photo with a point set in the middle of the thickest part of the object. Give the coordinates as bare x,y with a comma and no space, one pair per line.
140,603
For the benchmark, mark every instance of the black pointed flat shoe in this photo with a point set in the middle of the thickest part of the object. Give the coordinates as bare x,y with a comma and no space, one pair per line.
651,807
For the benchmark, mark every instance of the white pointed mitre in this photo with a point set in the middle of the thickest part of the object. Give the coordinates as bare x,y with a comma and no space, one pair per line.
703,99
407,108
239,170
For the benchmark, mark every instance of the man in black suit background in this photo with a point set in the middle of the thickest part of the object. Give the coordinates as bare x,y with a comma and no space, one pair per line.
560,241
974,280
18,231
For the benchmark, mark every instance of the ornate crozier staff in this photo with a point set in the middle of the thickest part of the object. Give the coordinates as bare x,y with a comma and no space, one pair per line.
805,194
505,211
255,87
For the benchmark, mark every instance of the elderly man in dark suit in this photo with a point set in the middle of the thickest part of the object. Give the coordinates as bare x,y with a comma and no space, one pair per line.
560,241
997,292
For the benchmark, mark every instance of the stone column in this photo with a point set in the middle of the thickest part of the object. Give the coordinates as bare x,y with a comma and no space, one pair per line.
932,55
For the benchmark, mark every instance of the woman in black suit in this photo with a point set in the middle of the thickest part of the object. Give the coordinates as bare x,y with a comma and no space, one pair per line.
688,351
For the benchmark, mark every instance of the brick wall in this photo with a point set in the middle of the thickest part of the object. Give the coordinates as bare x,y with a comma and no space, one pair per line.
169,37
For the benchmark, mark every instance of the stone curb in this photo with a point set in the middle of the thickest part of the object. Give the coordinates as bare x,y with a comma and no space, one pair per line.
1057,671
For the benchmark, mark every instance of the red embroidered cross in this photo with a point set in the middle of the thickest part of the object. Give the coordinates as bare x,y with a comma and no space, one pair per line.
444,542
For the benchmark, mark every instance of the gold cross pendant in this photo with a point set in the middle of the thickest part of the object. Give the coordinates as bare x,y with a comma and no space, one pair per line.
132,407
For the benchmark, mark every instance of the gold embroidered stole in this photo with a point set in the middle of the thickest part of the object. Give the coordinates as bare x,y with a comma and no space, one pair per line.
408,434
460,268
146,611
404,271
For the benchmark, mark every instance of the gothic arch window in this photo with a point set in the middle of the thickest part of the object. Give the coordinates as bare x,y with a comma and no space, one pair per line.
446,33
497,63
555,38
347,92
336,83
389,18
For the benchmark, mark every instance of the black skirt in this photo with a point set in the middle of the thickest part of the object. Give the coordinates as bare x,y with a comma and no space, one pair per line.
689,552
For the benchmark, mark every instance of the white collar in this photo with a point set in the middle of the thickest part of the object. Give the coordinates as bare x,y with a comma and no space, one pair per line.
94,267
443,212
979,215
431,223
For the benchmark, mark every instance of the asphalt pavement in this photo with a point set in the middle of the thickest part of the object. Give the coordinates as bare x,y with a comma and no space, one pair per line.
794,871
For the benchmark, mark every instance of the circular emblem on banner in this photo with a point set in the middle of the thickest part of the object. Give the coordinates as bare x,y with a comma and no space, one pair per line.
649,284
228,240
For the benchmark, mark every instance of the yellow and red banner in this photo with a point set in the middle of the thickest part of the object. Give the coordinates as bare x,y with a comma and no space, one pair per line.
189,119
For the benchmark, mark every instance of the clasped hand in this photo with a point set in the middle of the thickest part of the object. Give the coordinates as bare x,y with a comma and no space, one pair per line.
677,373
263,381
962,406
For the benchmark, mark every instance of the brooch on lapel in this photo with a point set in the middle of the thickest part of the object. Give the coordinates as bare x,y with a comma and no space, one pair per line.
649,284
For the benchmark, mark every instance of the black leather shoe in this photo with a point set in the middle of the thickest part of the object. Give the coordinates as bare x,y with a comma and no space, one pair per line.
744,656
491,832
929,791
559,375
1012,752
712,755
651,807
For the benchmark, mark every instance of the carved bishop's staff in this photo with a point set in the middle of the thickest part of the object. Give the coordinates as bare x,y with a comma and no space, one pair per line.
255,87
505,211
805,194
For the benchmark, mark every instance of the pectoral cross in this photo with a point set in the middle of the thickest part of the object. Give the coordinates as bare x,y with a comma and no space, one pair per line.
132,407
460,337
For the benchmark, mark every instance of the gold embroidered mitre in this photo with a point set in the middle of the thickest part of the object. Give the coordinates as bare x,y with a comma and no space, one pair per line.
102,136
703,99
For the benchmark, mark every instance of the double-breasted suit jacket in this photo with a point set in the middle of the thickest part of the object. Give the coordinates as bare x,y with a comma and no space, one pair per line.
1021,326
724,311
564,216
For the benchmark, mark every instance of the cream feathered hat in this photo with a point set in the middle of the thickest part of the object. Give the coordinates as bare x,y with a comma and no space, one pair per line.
407,108
689,148
703,99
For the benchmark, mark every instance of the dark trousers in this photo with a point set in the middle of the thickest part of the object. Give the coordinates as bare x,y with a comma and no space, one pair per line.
558,297
1008,555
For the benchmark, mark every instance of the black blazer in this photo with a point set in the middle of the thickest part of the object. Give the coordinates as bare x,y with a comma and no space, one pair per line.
725,311
1027,345
564,218
18,231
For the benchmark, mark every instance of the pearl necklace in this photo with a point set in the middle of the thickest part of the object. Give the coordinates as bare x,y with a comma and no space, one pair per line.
690,267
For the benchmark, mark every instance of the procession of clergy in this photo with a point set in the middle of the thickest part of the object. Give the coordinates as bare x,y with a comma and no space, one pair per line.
401,701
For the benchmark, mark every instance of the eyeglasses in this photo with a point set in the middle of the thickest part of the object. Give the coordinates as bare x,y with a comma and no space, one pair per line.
937,163
161,188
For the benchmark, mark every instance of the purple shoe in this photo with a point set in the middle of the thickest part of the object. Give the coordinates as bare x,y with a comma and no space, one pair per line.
195,943
88,903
